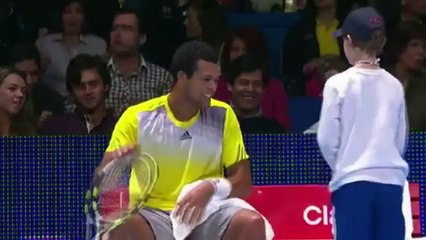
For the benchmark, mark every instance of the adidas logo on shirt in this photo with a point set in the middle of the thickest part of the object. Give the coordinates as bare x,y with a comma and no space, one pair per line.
185,136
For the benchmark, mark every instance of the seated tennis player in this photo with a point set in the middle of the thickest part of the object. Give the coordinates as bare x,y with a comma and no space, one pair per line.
192,137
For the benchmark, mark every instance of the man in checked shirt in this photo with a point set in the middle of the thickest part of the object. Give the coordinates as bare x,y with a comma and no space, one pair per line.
134,79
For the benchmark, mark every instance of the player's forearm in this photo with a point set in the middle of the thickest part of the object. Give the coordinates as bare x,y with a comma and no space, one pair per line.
241,188
240,179
108,157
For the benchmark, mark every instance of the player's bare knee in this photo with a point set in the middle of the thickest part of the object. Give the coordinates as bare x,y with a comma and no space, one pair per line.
140,225
254,221
134,228
250,221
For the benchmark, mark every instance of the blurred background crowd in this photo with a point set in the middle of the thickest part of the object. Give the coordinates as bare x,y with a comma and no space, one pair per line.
73,66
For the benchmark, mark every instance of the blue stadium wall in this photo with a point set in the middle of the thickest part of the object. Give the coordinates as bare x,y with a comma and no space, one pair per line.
43,179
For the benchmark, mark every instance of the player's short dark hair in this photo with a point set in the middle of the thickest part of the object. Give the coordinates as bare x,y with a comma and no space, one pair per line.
23,51
246,63
84,62
133,11
187,56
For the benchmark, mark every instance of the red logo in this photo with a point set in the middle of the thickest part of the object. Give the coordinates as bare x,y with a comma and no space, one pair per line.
295,211
376,20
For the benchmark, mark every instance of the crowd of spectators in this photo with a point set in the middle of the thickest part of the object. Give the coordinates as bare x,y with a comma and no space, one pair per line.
73,66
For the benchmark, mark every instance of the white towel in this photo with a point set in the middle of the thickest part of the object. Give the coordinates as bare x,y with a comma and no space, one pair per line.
181,231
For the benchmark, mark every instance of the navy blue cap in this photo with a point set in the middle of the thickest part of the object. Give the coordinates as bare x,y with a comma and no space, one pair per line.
361,24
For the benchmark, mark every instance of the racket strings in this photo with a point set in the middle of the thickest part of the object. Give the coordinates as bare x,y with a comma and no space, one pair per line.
145,172
119,176
114,187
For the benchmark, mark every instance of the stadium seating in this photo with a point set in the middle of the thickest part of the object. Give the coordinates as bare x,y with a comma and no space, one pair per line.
299,117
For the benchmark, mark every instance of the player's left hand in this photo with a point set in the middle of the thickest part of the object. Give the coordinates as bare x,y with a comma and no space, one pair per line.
191,207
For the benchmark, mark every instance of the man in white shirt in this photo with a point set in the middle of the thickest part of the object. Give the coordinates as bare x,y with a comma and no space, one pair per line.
362,135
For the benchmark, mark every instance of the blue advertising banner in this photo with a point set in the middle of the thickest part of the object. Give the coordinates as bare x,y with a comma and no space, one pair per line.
43,179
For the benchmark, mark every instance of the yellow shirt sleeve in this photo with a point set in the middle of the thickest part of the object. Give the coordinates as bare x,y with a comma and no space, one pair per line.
125,130
233,149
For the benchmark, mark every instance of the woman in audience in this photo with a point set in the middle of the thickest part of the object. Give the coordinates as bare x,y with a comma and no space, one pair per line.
58,48
405,57
206,21
405,52
15,113
274,100
309,39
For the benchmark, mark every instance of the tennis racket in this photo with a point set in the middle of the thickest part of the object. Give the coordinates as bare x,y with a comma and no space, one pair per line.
107,200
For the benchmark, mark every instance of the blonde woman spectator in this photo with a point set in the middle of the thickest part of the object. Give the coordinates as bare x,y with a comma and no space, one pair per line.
15,113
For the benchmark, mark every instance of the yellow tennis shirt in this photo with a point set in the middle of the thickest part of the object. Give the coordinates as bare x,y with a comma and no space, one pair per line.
185,151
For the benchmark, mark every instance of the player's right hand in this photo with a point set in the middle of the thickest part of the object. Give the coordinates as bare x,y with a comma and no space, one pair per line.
116,154
122,151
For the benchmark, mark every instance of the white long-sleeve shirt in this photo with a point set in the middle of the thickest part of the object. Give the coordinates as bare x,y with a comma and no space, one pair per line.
362,131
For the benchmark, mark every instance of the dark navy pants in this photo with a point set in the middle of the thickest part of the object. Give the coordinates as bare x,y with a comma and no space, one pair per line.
368,211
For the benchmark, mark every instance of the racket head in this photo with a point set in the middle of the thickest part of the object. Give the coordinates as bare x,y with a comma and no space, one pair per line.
145,174
113,190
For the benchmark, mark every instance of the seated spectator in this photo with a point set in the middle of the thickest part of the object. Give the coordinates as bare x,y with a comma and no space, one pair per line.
133,79
274,103
206,21
57,49
405,52
328,66
88,81
396,12
405,58
308,40
15,110
46,102
247,77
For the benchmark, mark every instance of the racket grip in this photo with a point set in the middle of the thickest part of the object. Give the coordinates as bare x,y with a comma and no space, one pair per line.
88,229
